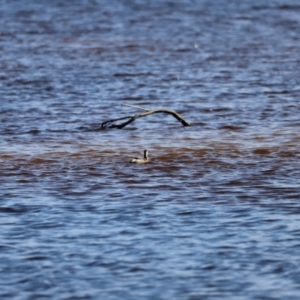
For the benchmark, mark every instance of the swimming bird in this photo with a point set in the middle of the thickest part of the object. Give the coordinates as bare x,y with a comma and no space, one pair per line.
140,160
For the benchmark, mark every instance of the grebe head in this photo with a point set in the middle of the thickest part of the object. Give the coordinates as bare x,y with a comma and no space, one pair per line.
145,154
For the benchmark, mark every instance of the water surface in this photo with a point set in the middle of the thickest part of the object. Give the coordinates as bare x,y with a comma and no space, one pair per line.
214,215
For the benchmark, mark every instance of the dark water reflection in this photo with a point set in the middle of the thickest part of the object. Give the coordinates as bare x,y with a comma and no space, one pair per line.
214,215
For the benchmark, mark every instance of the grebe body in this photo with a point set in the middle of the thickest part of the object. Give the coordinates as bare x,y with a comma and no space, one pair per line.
141,160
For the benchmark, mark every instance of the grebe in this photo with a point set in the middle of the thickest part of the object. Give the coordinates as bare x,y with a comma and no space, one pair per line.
139,160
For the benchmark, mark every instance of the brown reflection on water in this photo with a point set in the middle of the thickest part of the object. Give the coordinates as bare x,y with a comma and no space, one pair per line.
215,156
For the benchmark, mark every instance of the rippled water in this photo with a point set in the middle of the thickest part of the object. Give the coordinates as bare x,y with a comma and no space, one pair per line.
214,215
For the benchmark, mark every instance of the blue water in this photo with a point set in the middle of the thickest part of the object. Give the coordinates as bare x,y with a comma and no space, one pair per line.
214,214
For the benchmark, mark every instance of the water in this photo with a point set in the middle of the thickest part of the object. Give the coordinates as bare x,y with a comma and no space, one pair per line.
214,215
